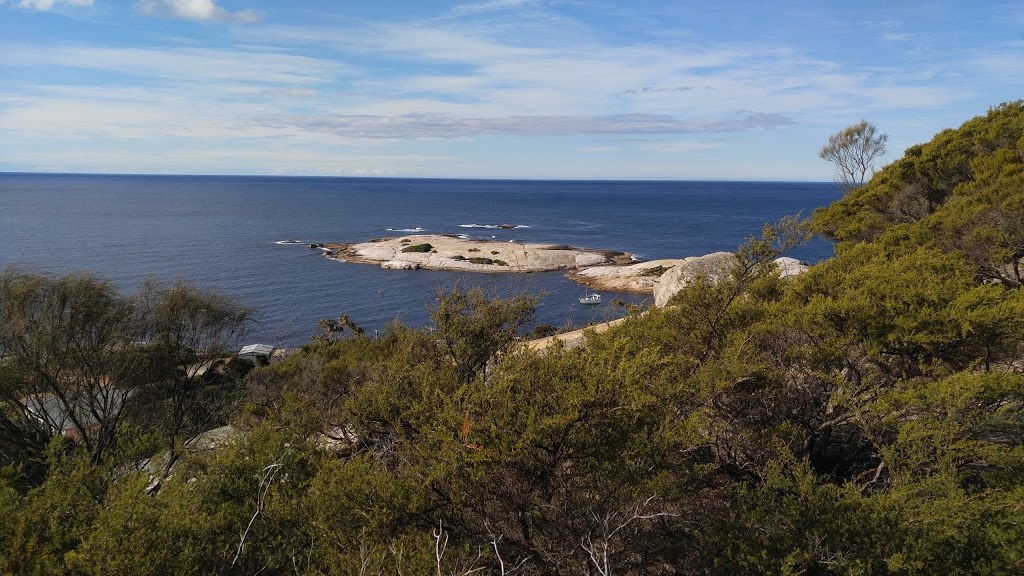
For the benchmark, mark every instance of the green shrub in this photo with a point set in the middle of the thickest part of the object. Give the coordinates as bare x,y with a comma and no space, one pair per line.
657,271
481,260
418,248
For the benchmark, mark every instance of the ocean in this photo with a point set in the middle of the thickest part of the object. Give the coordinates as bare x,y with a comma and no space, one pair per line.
224,233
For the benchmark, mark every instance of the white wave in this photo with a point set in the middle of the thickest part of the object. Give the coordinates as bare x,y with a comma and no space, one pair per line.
289,242
503,226
416,229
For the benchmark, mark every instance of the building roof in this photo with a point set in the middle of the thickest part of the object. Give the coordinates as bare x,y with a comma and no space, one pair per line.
256,350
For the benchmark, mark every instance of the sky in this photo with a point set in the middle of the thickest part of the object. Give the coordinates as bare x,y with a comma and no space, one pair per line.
560,89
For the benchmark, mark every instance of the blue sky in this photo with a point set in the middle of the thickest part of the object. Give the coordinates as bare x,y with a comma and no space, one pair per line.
591,89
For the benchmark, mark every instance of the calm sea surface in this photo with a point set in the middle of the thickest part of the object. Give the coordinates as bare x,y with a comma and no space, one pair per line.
221,232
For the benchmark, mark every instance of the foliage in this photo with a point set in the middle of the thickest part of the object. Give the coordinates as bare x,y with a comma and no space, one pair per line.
418,248
865,417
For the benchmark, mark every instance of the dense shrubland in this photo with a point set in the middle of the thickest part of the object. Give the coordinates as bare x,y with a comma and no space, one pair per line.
866,417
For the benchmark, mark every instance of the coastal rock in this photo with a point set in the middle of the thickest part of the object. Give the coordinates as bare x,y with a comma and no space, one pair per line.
586,259
399,265
789,267
451,252
640,277
712,267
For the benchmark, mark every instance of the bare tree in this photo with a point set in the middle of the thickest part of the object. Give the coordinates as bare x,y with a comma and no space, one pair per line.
853,151
601,543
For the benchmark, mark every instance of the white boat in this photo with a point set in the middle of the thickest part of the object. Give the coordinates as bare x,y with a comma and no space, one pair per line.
594,298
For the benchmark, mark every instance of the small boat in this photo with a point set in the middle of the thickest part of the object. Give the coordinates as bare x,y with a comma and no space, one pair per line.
594,298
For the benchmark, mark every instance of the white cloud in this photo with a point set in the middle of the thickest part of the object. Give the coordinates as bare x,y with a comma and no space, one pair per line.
183,66
896,36
198,10
487,6
46,5
674,147
446,126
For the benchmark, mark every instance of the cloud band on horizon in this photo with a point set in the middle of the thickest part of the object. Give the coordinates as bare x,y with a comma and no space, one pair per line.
446,126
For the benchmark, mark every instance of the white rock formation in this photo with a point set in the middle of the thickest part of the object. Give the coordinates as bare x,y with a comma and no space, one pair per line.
789,267
456,253
711,266
633,278
399,265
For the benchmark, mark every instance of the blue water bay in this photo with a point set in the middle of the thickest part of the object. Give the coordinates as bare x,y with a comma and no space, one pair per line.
223,233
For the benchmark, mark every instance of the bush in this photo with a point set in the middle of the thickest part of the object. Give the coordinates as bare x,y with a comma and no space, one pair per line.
657,271
481,260
458,257
418,248
543,331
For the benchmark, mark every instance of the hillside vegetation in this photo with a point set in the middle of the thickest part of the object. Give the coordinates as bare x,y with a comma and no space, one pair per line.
866,417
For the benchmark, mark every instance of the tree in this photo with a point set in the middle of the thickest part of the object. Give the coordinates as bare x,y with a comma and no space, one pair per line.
69,362
473,328
853,150
189,331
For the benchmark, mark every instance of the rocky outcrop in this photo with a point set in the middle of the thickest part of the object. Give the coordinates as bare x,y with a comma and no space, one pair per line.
640,277
711,267
399,265
449,252
790,266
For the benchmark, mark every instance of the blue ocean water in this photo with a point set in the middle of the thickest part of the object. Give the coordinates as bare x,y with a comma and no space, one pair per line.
221,233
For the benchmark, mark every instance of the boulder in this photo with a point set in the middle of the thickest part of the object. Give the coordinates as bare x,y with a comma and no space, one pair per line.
789,267
712,267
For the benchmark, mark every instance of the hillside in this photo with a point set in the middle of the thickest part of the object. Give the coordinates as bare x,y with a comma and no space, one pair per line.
864,417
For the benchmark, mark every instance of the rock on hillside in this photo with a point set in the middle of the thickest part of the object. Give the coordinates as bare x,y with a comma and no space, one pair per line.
713,267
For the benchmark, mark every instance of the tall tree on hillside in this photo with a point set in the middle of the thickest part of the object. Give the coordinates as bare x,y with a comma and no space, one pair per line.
853,151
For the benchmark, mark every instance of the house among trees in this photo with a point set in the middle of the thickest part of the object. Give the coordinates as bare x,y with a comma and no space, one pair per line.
256,352
70,415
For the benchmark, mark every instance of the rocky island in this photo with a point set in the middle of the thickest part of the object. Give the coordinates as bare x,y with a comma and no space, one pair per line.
463,253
